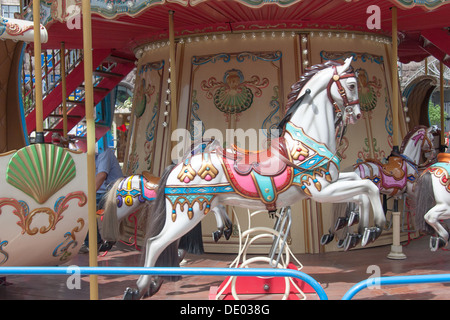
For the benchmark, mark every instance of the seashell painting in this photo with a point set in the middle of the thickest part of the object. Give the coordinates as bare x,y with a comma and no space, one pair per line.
40,170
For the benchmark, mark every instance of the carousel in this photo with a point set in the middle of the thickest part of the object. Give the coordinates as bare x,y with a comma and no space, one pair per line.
291,109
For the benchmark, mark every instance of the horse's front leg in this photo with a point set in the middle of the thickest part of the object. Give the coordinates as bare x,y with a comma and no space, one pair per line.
347,189
362,200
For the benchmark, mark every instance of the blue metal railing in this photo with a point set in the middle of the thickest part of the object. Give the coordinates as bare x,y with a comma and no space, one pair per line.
381,281
242,272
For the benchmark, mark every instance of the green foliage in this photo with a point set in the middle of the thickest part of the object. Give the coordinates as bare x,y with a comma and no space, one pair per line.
434,114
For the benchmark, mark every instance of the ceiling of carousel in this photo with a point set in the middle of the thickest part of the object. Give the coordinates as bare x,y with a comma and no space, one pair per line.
126,24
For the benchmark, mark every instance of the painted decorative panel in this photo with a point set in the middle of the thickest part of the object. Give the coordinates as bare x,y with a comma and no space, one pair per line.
146,102
235,91
43,205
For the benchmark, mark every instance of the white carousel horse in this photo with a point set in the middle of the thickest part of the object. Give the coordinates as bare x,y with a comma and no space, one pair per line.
433,201
394,179
300,164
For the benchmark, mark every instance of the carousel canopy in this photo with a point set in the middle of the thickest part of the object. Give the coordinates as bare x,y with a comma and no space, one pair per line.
124,25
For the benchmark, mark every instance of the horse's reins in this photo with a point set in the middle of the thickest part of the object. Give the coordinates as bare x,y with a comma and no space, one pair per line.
337,109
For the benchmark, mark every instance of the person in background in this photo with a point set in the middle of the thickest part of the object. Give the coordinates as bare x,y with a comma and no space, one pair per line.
107,171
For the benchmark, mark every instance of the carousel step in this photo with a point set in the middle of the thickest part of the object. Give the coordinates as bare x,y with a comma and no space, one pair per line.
76,102
69,116
98,89
106,74
114,58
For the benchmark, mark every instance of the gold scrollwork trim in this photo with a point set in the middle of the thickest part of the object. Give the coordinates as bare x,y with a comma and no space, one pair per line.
25,218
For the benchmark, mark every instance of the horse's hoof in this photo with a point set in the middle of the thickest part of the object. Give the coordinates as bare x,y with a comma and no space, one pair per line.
437,243
131,294
326,239
340,243
106,246
370,235
353,218
216,235
351,241
228,232
155,285
340,223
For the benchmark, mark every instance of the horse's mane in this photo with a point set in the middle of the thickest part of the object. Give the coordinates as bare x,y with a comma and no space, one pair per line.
309,73
409,135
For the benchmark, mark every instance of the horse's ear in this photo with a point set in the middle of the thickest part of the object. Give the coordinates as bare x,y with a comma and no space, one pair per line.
346,65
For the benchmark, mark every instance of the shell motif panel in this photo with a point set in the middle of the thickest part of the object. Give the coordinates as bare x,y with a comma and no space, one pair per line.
40,170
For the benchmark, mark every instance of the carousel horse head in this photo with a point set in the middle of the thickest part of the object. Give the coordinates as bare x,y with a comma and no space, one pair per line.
327,94
342,91
421,140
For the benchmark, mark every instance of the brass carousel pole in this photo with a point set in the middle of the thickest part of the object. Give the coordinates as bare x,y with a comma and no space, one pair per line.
441,87
90,124
38,71
63,84
395,91
173,78
396,248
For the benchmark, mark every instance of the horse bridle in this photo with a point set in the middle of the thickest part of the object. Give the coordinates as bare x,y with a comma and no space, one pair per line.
430,145
347,105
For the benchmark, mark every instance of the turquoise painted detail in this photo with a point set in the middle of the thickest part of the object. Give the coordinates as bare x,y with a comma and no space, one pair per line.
189,197
443,165
265,186
198,190
322,155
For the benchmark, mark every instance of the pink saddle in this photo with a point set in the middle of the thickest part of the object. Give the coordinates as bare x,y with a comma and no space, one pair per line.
269,162
259,175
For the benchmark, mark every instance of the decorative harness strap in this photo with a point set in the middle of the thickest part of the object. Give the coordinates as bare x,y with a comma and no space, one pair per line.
336,79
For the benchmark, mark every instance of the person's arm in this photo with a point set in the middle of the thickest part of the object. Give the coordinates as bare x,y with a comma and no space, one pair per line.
99,179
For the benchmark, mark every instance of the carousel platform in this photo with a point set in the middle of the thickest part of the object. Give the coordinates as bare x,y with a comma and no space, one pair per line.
337,272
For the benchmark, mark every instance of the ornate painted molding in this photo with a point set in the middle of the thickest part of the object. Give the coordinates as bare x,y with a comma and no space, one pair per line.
16,29
63,249
429,4
341,55
22,211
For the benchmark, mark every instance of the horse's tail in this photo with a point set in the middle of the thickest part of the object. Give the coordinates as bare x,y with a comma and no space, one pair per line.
424,201
110,223
156,221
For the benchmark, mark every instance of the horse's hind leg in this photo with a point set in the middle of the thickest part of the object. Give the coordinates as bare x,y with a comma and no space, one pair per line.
432,217
228,230
220,226
148,284
144,283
